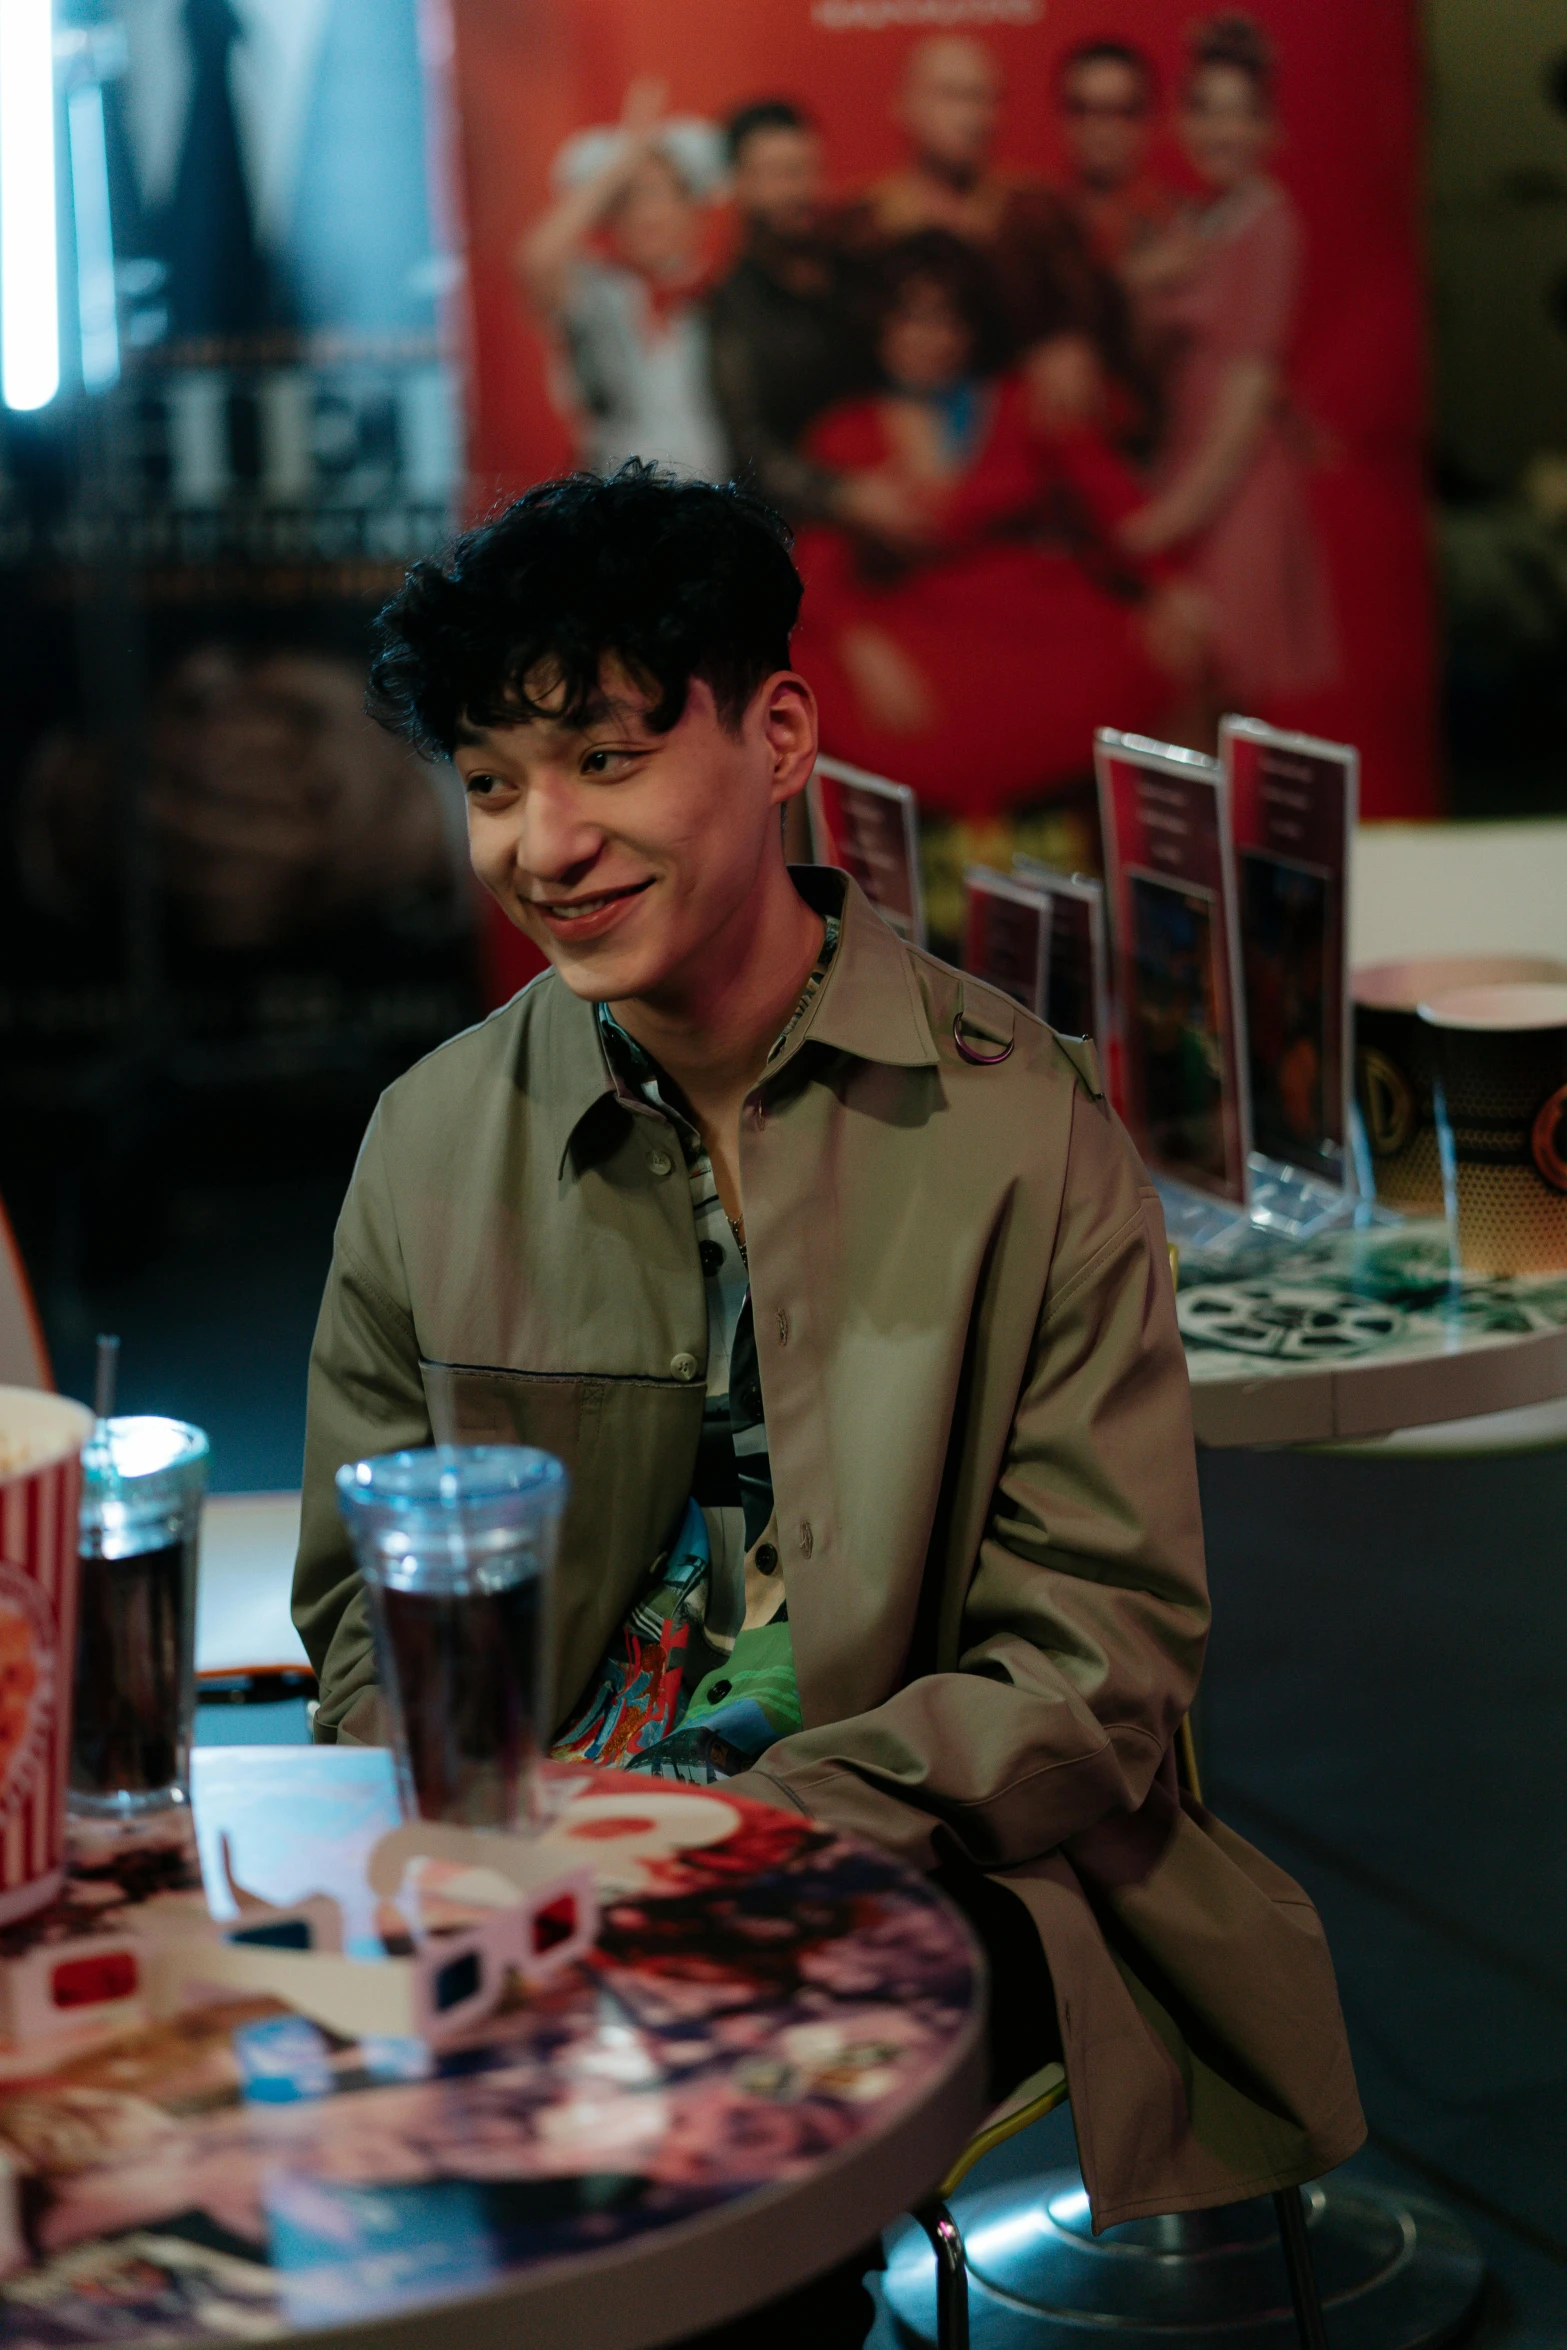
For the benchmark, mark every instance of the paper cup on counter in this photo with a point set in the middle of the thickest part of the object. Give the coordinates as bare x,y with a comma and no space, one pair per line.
1394,1068
1501,1073
41,1440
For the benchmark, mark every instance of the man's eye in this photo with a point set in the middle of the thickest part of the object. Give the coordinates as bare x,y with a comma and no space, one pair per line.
479,786
606,762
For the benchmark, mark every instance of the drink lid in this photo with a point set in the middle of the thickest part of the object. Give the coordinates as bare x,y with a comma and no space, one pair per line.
1498,1008
140,1476
438,1512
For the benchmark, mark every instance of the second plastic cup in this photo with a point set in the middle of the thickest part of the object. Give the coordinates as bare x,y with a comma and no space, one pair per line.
457,1549
143,1480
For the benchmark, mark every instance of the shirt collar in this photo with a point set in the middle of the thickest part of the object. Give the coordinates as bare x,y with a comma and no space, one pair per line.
869,1004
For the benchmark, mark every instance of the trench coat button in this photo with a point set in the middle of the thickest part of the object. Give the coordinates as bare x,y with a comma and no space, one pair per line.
659,1162
719,1691
807,1538
783,1327
766,1558
682,1366
712,1256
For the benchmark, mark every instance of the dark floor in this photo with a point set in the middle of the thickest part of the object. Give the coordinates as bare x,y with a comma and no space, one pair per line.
1383,1712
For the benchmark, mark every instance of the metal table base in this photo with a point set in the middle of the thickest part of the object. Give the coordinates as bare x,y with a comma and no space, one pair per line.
1395,2271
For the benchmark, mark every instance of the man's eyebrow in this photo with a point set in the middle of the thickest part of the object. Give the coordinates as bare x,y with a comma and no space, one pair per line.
606,710
600,709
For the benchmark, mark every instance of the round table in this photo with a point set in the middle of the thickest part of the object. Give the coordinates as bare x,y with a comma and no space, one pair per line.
1355,1333
775,2049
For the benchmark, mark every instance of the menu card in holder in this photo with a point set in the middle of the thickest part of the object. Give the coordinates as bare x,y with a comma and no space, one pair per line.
1077,993
1170,873
1292,806
1006,936
869,827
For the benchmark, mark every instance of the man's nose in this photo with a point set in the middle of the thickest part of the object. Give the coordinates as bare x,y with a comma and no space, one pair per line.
557,838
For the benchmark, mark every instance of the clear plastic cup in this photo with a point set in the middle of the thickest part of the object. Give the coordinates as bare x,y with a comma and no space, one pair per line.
457,1549
143,1483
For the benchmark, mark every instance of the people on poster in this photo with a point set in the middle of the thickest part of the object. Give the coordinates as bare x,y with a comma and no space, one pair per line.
1220,291
1059,310
975,664
617,268
1038,439
788,339
1106,100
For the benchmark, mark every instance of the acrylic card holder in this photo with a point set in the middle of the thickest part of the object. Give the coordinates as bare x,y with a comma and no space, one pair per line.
1077,993
870,829
1006,936
1292,810
1170,869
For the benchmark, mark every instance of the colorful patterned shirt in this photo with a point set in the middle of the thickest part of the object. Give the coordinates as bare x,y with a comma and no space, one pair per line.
699,1680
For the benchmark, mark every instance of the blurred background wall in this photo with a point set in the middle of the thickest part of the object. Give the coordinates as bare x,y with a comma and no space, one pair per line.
1497,79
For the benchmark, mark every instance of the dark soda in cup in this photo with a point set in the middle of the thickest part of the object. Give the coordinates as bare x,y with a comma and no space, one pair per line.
457,1548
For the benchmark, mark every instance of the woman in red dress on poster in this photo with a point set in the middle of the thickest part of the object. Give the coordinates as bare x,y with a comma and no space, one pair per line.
974,659
1219,295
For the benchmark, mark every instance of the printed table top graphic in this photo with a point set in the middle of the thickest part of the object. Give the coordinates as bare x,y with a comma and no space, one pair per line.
1357,1332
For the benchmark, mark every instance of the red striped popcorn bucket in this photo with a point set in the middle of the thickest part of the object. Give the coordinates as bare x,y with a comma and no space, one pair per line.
41,1440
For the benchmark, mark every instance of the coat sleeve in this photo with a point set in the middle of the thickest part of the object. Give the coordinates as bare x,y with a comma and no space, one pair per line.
366,1396
1081,1631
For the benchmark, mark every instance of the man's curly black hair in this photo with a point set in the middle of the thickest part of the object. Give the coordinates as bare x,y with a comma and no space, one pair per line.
673,579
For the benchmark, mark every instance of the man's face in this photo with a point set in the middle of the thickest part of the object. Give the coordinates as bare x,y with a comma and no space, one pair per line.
950,103
625,855
655,227
1104,112
778,181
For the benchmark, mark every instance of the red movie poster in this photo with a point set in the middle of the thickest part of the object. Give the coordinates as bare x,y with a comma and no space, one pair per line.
1081,343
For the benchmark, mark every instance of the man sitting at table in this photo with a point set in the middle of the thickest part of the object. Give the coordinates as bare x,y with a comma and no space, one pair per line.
838,1286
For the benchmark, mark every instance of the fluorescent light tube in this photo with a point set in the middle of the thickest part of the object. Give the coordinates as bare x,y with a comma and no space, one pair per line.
29,252
94,239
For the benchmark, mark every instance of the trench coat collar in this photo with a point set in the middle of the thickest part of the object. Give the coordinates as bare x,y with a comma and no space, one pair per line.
869,1004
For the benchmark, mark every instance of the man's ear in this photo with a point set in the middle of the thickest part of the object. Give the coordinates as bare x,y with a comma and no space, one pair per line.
789,723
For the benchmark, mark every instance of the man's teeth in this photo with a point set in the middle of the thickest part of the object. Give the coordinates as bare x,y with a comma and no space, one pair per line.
580,906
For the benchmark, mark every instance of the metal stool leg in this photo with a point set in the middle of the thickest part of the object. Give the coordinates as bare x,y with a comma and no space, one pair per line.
1302,2276
951,2276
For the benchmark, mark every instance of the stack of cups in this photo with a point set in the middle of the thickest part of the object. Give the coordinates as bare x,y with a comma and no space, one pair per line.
1501,1092
1395,1077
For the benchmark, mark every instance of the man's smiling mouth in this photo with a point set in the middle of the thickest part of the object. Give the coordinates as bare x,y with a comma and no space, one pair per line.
579,909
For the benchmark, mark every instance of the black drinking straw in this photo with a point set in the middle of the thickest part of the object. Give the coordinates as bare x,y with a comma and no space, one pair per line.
105,1382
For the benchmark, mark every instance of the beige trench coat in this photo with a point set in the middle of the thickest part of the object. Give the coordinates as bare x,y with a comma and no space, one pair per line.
978,1421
